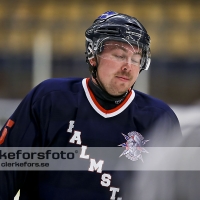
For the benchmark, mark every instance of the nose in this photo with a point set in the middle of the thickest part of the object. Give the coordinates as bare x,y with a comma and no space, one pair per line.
127,65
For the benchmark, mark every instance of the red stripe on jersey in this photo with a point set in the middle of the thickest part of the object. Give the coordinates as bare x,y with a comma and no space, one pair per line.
100,107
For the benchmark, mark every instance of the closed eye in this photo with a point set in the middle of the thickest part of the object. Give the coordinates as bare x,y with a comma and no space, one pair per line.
135,61
119,56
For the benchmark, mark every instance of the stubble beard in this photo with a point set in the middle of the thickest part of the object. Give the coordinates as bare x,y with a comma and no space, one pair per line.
115,88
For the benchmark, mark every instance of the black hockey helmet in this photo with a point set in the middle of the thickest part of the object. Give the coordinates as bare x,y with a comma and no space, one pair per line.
120,27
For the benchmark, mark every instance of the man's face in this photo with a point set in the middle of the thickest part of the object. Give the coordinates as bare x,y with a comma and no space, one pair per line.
118,66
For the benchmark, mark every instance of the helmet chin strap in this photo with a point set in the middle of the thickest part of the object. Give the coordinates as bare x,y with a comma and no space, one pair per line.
135,81
94,75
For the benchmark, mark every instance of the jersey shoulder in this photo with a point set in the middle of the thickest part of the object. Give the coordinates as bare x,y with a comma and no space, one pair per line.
66,86
145,101
55,87
60,84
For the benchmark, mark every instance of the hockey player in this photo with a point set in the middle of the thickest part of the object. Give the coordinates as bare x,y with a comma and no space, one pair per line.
90,112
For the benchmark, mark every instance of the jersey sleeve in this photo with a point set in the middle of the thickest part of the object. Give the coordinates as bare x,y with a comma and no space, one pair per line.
23,129
13,133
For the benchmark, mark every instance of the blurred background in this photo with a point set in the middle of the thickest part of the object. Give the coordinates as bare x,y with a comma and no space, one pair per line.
44,39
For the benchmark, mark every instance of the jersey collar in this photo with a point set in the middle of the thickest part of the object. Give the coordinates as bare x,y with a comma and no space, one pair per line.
99,109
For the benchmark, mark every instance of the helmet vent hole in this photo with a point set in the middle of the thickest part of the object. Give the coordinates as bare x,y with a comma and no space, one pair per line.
108,31
132,25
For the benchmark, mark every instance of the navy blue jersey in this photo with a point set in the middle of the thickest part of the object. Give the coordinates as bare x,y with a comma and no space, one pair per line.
65,113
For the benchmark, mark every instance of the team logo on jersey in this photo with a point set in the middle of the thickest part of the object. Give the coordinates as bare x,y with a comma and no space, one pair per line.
133,145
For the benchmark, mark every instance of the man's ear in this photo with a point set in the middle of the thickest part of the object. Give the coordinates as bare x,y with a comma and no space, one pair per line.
93,62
